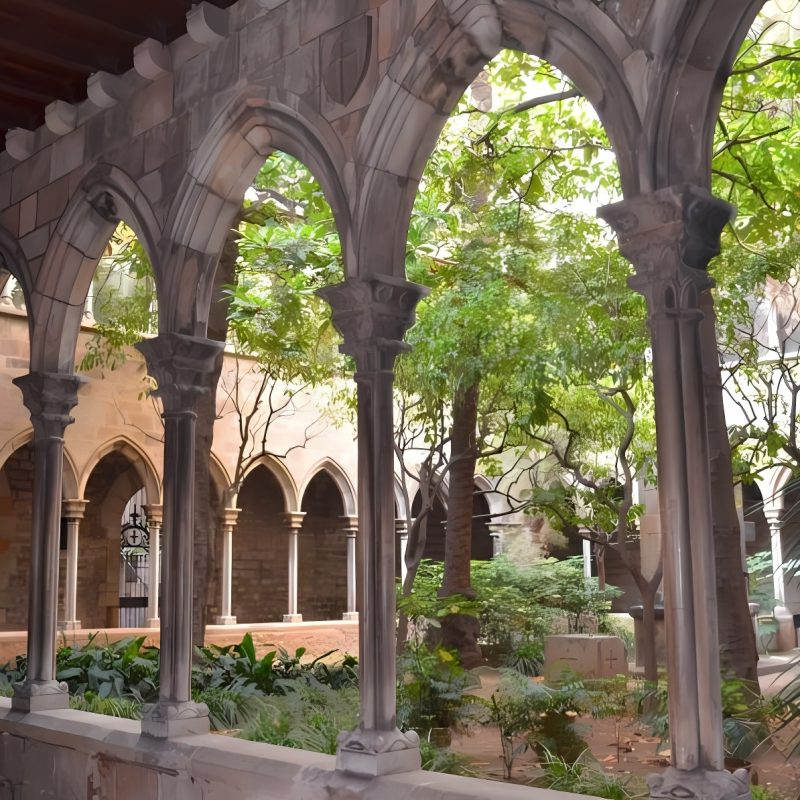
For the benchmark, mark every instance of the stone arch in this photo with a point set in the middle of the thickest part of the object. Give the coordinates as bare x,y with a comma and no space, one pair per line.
282,475
401,509
341,480
773,485
253,124
496,502
14,262
434,67
69,480
141,463
105,196
683,119
220,481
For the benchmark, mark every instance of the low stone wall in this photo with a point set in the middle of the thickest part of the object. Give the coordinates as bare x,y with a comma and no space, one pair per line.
316,637
72,755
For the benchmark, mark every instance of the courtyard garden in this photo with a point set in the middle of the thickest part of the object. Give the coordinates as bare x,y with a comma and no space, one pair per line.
502,720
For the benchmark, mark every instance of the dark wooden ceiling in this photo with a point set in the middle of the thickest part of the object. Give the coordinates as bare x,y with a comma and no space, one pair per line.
48,48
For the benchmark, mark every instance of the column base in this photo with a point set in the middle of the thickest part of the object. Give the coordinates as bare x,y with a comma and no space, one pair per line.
372,753
165,720
225,620
292,617
154,622
71,625
39,696
699,784
350,616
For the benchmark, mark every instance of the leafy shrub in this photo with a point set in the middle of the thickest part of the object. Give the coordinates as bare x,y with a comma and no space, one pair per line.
124,707
309,718
430,692
530,714
585,776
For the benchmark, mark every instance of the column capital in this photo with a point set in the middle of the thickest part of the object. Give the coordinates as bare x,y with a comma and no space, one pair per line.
401,525
373,313
350,524
154,513
184,367
669,236
73,509
230,517
774,516
293,519
49,396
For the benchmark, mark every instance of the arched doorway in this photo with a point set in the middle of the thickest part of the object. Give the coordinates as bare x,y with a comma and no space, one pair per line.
113,572
322,579
260,550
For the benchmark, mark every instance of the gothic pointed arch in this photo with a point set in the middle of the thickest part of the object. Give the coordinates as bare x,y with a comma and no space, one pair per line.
141,463
254,123
105,196
281,474
69,480
441,57
341,480
14,262
682,119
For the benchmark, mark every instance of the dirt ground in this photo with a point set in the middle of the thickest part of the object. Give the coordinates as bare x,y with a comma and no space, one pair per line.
640,753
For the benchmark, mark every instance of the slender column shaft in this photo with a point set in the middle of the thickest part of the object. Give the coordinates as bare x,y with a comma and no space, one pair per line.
670,236
154,521
227,571
182,366
774,518
49,397
226,606
351,531
373,314
294,521
71,588
401,527
72,512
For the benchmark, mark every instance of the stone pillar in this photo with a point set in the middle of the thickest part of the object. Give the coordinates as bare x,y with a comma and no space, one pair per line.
498,530
49,397
72,511
155,516
229,517
774,519
669,237
294,521
401,530
372,314
183,367
587,559
351,529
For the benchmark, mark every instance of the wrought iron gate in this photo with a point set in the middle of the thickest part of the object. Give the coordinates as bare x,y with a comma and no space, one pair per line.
134,578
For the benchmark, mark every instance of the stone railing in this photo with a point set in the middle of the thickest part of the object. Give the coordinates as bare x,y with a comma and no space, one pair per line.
88,755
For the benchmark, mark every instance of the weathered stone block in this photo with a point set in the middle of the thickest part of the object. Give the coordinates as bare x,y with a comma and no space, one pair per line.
586,655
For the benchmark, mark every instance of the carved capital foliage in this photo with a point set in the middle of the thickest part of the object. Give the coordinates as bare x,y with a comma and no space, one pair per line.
699,784
670,236
184,367
373,741
49,396
373,314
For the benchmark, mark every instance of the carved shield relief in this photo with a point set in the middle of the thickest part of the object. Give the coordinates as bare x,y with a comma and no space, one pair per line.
345,58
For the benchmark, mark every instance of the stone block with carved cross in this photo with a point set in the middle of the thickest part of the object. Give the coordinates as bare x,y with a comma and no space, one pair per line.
585,655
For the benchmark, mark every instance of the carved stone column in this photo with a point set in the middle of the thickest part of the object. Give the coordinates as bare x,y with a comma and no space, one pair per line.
49,397
294,521
401,530
351,530
183,367
155,517
774,519
669,237
72,511
372,314
229,517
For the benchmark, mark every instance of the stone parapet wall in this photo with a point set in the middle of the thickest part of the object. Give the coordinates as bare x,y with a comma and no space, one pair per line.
316,637
105,757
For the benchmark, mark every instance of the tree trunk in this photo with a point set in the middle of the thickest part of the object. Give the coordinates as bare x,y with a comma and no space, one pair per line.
205,587
738,654
460,631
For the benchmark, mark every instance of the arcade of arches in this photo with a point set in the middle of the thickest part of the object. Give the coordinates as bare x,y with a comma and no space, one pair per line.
358,91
